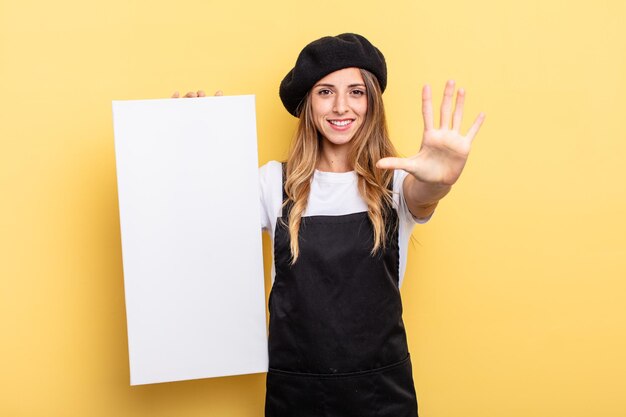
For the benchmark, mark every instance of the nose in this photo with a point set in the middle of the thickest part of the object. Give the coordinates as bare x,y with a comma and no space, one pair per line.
340,105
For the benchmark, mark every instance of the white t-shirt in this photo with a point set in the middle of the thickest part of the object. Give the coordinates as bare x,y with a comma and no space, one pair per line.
332,194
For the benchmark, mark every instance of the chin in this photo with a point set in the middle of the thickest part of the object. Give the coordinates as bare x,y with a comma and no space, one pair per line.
338,138
339,141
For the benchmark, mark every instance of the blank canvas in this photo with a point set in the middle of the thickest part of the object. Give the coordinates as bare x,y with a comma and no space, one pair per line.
187,173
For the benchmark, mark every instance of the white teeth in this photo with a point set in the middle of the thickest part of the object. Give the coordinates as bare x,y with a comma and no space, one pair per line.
340,123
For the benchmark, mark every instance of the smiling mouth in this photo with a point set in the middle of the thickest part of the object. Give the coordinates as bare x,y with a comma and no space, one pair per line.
340,123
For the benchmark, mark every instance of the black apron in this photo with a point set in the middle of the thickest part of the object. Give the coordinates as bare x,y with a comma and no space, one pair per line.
337,345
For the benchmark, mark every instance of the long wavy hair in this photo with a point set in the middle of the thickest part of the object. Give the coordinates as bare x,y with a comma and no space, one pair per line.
370,143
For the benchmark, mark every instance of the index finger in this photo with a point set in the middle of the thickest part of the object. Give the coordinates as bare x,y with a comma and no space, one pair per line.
475,127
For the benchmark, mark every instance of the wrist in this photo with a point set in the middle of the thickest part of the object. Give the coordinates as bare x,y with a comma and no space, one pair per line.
425,194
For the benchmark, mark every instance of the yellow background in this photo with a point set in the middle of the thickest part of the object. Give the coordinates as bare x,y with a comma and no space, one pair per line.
515,294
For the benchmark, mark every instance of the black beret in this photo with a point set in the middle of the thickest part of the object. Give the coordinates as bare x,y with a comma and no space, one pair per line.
326,55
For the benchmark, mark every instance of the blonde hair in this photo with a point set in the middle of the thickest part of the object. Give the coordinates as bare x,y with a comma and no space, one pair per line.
369,144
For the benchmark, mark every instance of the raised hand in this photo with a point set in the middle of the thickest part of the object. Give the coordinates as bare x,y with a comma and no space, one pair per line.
444,151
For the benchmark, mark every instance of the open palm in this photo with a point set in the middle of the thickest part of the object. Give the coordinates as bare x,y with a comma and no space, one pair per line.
444,151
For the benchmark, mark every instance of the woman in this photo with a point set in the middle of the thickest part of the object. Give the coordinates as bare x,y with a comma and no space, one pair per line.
340,212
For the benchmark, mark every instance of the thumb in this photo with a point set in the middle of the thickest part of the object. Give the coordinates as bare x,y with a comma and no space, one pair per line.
394,163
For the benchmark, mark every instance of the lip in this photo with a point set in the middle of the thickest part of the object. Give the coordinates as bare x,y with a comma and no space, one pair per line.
340,128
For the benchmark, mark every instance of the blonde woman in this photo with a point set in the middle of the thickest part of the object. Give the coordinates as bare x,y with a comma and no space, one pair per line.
340,212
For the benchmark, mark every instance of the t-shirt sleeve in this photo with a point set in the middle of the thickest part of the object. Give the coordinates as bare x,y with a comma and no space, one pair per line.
403,210
270,191
264,193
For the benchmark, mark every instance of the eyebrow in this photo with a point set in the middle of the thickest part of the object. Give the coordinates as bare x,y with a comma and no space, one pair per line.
332,85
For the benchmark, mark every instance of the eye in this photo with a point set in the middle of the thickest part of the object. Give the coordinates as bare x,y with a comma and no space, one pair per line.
358,92
324,92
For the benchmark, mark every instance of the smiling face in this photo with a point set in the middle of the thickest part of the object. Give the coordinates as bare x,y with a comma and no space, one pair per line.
339,106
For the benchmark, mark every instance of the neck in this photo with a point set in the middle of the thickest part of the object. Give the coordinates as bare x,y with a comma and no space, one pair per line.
334,159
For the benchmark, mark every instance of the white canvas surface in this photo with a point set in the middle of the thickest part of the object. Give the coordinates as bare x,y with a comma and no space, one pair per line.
187,173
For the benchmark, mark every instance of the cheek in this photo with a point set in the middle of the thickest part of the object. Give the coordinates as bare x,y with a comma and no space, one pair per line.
318,124
363,109
319,108
360,107
319,111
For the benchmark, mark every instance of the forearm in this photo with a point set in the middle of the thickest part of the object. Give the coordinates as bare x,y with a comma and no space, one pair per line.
422,197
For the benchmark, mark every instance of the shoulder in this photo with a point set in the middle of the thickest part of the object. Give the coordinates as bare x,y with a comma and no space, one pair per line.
271,190
271,170
271,180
